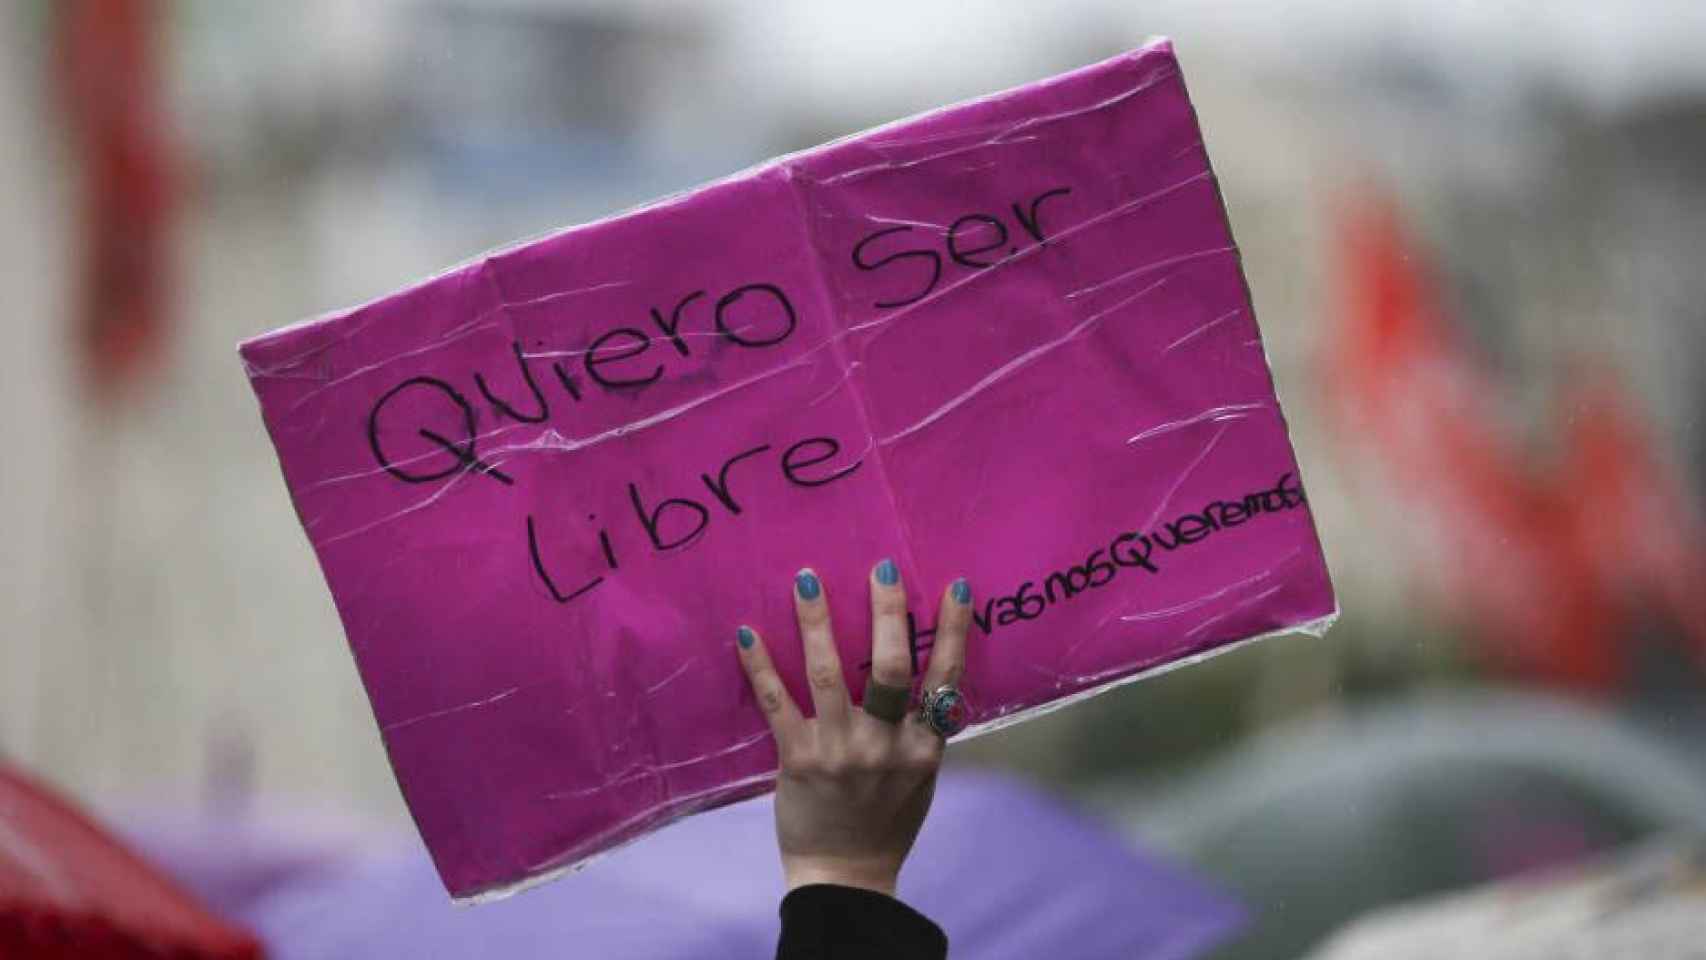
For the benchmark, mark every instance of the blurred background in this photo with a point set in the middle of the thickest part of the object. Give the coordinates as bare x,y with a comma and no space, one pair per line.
1473,232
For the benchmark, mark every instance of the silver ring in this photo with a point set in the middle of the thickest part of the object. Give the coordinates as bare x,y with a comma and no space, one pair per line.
944,710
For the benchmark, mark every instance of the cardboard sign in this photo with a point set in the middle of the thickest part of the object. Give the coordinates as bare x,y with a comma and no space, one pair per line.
1009,340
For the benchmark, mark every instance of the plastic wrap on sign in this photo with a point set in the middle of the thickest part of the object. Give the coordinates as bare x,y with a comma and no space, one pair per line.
1008,340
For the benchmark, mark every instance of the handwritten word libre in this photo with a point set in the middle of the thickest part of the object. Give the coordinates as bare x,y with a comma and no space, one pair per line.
676,522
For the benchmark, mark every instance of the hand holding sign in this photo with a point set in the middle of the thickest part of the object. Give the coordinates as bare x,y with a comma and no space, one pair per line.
854,788
1008,340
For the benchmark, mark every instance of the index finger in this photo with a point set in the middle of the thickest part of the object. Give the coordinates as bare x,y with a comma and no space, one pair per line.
779,708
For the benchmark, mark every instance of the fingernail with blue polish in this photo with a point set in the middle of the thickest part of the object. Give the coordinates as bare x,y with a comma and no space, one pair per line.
961,591
887,573
805,583
747,638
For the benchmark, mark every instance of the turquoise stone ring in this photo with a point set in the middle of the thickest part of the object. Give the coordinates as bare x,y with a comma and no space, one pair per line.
944,711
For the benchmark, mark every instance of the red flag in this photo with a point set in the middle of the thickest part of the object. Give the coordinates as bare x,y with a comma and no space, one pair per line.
110,83
1546,559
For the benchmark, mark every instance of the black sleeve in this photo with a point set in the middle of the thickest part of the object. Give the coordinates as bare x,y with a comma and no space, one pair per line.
825,922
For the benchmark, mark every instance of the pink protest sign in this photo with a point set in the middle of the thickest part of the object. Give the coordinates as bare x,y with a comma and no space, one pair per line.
1008,340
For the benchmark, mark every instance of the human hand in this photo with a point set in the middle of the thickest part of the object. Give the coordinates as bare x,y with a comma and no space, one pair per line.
853,789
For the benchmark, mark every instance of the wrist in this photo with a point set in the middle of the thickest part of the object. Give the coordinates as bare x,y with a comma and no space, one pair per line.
865,875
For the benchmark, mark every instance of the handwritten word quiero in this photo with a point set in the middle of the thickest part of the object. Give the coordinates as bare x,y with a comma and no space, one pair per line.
751,316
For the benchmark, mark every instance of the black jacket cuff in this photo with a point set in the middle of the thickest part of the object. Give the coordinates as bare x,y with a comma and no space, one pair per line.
822,921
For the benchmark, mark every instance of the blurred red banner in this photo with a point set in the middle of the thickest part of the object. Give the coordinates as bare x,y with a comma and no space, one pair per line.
109,82
1551,559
